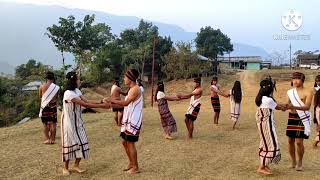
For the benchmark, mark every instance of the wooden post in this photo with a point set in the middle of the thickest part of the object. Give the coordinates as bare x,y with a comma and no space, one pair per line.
290,57
152,77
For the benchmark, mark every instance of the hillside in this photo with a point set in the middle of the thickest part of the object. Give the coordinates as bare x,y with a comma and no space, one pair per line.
23,28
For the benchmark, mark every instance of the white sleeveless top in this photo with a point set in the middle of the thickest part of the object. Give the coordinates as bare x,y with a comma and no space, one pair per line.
132,117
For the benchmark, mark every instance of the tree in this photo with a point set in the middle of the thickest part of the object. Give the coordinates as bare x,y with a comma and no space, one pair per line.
181,62
82,38
163,47
138,45
107,65
63,36
32,70
211,43
278,58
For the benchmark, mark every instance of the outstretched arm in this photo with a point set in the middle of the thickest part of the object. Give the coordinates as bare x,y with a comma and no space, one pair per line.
90,105
172,98
132,95
282,107
187,96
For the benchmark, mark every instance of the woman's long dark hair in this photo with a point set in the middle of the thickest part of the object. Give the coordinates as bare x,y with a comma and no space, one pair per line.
139,81
266,89
316,80
159,88
236,92
71,81
316,100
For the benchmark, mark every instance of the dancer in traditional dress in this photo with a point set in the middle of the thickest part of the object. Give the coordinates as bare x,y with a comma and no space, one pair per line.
132,119
235,102
116,93
317,117
73,135
317,84
215,101
194,107
167,120
48,110
298,128
269,150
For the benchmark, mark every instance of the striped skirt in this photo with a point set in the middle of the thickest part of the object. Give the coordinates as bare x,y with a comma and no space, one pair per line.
317,121
215,101
234,110
49,114
269,149
167,120
295,127
193,116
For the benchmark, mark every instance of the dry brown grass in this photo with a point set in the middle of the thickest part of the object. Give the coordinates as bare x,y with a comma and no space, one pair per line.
214,153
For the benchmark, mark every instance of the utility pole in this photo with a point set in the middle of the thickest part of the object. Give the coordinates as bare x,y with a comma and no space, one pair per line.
290,56
153,61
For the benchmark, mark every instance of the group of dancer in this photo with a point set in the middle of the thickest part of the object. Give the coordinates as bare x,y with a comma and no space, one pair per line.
168,121
73,134
299,101
129,115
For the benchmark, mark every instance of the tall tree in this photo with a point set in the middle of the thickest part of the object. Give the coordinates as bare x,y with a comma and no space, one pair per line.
138,45
63,36
83,38
211,43
163,47
32,70
182,62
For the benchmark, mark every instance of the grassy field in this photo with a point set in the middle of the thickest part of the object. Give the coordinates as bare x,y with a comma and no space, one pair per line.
216,152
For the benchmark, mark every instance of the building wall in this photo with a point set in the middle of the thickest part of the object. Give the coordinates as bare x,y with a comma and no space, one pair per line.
253,66
232,65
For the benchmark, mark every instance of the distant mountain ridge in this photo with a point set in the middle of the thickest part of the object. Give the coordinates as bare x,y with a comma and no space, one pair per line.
23,28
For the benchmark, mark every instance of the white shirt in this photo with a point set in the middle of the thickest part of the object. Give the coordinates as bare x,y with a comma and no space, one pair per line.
268,102
160,95
215,88
141,89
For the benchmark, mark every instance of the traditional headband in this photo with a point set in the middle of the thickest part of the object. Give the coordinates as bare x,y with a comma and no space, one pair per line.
131,76
298,75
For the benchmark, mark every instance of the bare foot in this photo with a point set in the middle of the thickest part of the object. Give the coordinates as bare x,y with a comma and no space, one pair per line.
128,168
52,142
292,166
78,170
134,171
315,144
65,172
299,168
168,137
263,171
47,141
267,169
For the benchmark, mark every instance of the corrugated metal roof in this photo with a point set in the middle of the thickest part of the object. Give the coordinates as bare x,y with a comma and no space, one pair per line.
308,56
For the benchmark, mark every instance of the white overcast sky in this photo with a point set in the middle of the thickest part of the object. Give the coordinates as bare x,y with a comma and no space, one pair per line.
189,14
246,21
